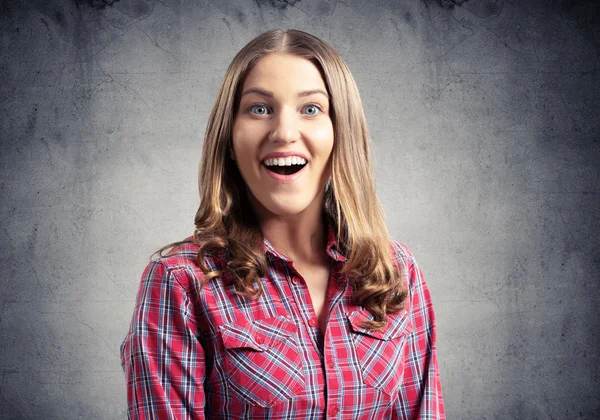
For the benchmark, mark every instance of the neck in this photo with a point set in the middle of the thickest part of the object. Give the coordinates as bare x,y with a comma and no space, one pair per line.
301,237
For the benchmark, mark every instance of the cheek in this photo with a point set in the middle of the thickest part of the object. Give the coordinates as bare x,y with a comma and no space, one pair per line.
323,132
247,135
323,140
241,142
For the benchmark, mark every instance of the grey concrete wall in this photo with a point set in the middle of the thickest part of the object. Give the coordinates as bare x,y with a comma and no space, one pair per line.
485,120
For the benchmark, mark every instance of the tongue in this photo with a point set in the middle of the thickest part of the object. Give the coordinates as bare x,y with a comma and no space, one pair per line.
285,170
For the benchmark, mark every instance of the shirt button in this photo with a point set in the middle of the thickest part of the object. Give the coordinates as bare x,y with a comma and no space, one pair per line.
260,340
333,410
295,280
330,364
312,322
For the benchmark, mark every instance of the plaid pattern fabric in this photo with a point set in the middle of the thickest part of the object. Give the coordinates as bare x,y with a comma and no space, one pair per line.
195,353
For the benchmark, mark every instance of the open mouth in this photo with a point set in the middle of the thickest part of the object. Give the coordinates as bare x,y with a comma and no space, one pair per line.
285,170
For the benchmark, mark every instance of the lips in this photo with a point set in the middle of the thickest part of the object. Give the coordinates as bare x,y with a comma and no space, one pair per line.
284,172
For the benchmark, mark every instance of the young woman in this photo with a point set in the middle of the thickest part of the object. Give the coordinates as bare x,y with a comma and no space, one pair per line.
289,300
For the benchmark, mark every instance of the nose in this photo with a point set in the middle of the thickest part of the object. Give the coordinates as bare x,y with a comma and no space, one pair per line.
285,127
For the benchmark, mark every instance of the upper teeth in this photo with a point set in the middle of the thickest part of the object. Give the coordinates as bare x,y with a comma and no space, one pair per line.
287,161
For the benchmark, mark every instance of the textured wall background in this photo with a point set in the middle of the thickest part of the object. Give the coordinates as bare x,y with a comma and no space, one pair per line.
485,122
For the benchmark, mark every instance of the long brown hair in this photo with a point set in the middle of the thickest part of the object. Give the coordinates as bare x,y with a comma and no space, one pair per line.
225,218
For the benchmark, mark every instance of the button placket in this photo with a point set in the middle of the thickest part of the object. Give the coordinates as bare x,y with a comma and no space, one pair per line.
300,292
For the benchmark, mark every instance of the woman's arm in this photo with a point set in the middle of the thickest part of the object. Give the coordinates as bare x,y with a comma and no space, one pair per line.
163,361
421,393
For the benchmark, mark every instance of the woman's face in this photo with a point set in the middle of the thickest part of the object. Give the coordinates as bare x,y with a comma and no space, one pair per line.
283,135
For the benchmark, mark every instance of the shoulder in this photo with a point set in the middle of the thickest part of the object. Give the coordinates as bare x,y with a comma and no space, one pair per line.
402,255
404,259
179,267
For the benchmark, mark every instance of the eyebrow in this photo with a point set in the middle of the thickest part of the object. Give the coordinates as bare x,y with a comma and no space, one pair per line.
300,94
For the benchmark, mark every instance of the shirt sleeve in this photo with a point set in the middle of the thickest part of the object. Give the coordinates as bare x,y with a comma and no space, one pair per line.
421,393
161,355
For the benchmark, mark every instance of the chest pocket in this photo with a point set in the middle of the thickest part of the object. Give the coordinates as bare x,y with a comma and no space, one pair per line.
262,361
381,354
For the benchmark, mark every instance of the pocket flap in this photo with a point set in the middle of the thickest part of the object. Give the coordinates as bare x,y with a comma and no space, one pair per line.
257,335
397,325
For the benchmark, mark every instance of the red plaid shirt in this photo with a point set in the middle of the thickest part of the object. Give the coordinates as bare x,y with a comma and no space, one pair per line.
203,352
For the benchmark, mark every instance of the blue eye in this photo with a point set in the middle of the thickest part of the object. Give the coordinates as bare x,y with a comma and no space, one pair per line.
312,110
259,109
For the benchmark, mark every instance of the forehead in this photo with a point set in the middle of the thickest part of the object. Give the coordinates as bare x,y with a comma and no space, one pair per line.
281,70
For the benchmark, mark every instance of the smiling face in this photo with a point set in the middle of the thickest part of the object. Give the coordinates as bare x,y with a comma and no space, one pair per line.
283,135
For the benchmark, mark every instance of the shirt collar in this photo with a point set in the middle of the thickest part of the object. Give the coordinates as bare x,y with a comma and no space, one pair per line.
332,248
